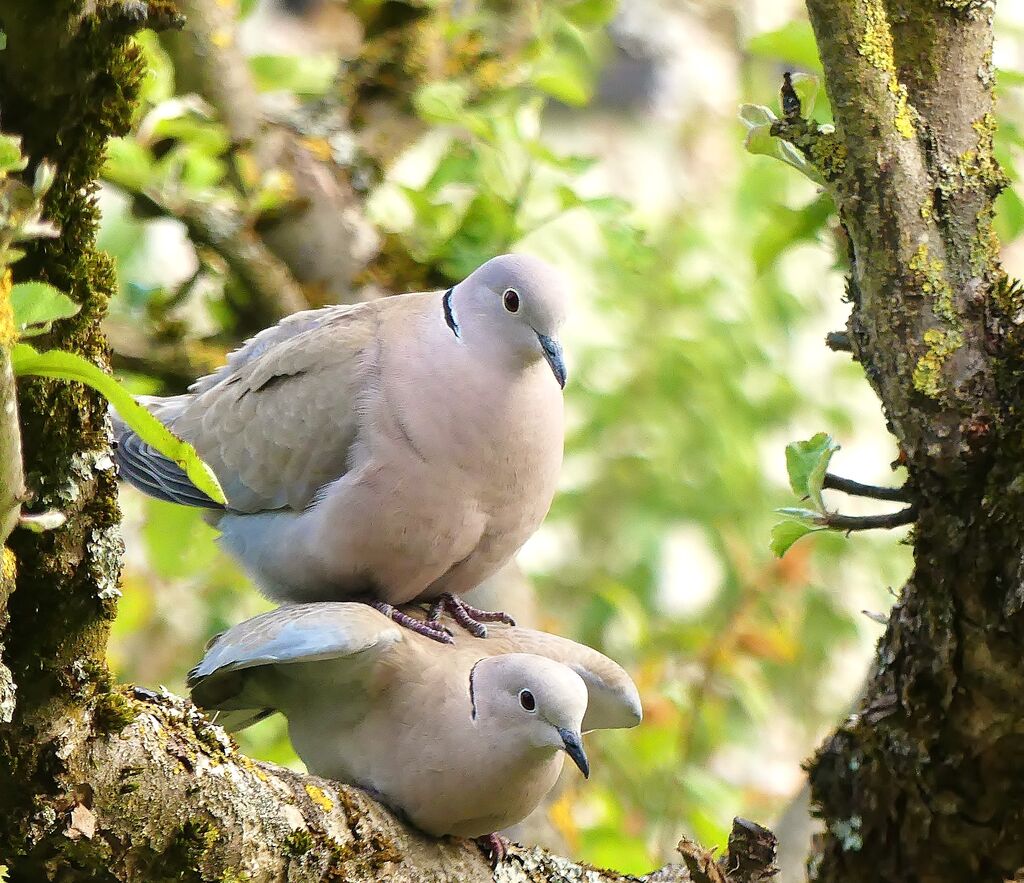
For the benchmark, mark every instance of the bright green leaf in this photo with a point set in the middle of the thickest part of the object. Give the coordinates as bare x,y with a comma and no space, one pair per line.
69,366
758,119
793,43
128,164
806,88
11,159
441,102
590,13
806,462
37,305
785,533
312,74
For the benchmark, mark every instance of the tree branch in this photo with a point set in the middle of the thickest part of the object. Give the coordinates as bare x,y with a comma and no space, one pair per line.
856,489
327,240
274,292
889,520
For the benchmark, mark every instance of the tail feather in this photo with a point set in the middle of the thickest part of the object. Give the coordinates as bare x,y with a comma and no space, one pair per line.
146,468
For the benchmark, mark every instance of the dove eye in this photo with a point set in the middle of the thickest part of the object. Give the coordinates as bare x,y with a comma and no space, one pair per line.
527,700
511,300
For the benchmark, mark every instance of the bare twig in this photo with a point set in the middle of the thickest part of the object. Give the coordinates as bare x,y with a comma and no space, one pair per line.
874,492
835,521
274,291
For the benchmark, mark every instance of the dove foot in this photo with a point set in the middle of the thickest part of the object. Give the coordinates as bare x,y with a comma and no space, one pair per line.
471,618
428,629
495,847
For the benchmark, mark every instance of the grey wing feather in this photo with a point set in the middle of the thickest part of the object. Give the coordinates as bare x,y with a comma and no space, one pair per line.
258,344
242,419
613,699
289,635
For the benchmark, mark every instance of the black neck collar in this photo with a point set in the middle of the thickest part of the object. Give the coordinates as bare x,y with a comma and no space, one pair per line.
449,313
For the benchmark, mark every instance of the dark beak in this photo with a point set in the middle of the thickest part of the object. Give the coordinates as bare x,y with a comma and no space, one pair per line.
573,744
553,353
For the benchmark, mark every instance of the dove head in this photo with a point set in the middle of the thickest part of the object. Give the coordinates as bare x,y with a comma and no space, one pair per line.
533,702
513,306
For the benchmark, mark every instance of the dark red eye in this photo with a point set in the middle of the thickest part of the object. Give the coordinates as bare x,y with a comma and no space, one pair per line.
526,699
511,300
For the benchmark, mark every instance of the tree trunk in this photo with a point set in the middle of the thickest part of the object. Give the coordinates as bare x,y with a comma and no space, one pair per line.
923,782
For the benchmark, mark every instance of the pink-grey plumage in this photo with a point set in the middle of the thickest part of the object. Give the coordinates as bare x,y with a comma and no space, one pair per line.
442,733
395,450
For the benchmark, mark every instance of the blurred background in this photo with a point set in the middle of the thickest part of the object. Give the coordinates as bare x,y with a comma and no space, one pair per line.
292,154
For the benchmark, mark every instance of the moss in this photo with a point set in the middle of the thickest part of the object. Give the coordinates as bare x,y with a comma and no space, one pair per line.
112,712
318,797
298,843
829,155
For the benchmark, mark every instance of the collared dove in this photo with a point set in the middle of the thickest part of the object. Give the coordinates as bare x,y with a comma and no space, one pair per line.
398,450
463,740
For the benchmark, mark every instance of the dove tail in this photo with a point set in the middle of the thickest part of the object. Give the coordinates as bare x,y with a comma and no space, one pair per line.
147,469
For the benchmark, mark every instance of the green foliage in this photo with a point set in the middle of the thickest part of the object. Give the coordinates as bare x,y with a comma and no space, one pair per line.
70,366
302,74
758,120
793,43
785,533
37,305
806,464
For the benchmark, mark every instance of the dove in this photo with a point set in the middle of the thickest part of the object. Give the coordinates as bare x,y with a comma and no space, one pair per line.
392,451
462,740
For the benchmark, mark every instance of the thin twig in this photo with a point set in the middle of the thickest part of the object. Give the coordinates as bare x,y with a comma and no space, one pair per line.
835,521
874,492
274,291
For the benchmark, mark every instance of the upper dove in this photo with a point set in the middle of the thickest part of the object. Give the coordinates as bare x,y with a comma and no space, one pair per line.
462,740
394,451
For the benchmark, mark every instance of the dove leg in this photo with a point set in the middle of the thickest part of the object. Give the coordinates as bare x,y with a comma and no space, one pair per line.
471,618
428,629
495,847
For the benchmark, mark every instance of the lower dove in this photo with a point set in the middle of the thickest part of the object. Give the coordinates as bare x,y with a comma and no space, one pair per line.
392,451
462,740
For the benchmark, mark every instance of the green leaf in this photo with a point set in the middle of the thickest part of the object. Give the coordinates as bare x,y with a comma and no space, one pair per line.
37,305
590,13
806,88
785,533
806,462
793,43
69,366
11,159
801,513
312,74
441,102
758,119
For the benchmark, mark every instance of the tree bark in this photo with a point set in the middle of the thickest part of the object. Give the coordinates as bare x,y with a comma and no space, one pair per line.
923,782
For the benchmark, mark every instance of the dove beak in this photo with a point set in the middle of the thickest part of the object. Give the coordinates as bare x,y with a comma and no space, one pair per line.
573,744
553,353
